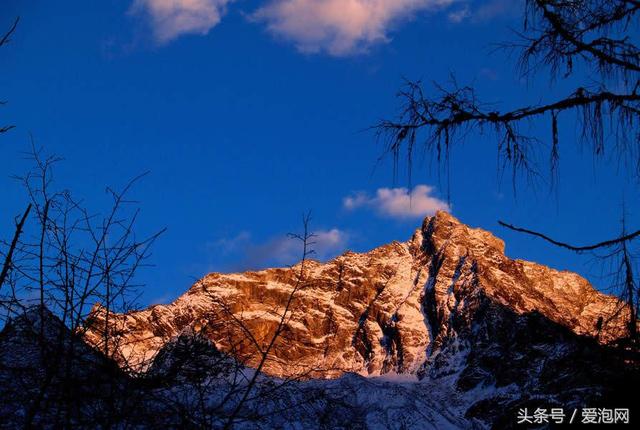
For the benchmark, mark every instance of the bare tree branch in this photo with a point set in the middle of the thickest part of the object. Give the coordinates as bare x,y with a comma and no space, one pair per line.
604,244
306,239
8,261
6,37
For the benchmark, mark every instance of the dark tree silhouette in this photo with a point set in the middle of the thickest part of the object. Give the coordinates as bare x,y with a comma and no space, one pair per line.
12,246
60,262
19,224
557,39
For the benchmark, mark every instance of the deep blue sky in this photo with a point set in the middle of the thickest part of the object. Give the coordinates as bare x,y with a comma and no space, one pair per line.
243,132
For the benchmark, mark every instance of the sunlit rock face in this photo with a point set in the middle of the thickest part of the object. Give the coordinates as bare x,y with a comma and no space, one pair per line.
439,304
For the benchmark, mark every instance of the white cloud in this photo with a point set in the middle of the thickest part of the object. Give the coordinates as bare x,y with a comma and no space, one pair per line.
399,202
328,243
173,18
280,250
339,27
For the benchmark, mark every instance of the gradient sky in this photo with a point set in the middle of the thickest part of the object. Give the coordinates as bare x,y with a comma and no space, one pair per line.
250,112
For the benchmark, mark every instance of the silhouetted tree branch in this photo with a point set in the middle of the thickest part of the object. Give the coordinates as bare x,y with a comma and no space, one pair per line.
620,252
603,244
557,34
306,239
12,247
4,39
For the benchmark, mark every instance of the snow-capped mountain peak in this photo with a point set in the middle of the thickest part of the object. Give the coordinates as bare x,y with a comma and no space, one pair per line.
391,309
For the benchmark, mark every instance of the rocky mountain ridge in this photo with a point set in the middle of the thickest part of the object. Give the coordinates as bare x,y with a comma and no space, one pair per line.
392,309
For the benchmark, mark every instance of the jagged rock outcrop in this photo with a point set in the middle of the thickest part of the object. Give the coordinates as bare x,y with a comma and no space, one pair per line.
393,309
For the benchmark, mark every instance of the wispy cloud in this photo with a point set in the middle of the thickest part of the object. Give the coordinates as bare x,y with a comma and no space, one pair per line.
339,27
459,15
170,19
400,203
283,250
491,9
484,10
